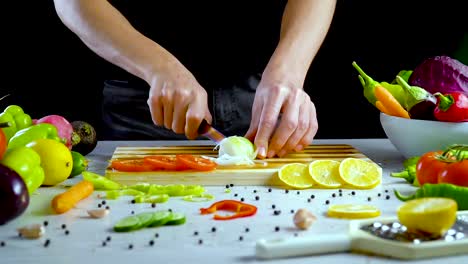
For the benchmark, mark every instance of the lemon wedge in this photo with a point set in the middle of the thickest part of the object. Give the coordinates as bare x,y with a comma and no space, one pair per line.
326,173
353,211
295,175
433,215
360,173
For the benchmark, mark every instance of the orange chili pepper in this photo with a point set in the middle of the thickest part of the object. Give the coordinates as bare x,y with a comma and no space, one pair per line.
240,209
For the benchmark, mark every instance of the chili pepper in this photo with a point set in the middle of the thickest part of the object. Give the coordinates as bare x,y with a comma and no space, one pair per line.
29,134
100,182
240,209
451,107
447,190
369,85
27,163
16,118
409,171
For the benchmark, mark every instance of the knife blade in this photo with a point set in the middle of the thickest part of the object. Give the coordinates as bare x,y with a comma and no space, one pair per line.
210,132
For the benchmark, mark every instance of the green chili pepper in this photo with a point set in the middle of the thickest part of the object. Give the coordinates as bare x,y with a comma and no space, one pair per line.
404,74
114,194
409,172
16,118
160,198
198,198
29,134
458,193
369,85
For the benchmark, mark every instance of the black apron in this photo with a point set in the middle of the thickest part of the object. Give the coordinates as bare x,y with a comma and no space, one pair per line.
225,45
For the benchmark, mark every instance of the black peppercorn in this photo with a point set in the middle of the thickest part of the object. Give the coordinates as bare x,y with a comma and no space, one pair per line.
386,191
64,226
387,197
312,196
269,189
130,246
298,192
286,191
227,186
241,238
200,241
195,233
67,232
151,242
247,229
277,228
153,205
2,243
333,195
99,205
170,210
133,201
273,206
327,202
257,198
242,199
156,235
108,238
213,229
103,202
379,194
107,207
46,223
340,194
255,191
308,200
104,243
132,212
277,212
47,242
232,185
292,211
353,193
235,195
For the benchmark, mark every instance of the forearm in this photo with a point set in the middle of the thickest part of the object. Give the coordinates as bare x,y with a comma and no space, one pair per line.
108,33
304,26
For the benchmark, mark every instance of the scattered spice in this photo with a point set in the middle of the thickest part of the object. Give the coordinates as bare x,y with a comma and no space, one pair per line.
269,189
107,207
227,186
387,197
257,198
213,229
104,243
277,212
108,238
133,201
2,243
151,242
333,195
312,196
304,218
200,241
277,228
327,202
379,194
64,226
156,235
286,191
46,223
132,212
99,205
308,200
353,193
241,238
369,199
153,205
235,195
273,206
67,232
47,243
292,211
298,192
255,191
340,194
103,202
232,185
195,233
130,246
242,199
247,229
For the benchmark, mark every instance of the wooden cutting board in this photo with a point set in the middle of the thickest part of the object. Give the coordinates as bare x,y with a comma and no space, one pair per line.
261,174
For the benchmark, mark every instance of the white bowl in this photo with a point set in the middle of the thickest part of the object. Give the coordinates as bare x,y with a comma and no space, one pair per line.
413,137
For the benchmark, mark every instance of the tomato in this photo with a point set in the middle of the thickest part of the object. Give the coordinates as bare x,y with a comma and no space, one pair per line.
196,163
455,173
164,162
131,165
429,167
3,143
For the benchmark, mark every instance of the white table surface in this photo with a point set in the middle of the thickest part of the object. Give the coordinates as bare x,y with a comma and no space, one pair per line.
178,244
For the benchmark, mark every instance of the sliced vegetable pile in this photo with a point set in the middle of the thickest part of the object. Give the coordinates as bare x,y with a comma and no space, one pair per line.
437,89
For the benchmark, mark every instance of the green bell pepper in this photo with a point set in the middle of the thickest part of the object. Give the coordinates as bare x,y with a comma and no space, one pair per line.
37,131
27,163
16,118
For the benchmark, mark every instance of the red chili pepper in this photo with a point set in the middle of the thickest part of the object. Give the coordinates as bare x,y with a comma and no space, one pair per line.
240,209
451,107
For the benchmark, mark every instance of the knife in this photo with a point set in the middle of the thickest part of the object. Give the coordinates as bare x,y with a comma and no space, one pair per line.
210,132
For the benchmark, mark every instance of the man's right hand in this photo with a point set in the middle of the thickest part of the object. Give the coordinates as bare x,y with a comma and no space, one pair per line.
177,101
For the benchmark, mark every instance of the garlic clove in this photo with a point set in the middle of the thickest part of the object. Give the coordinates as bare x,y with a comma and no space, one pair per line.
303,219
33,231
98,213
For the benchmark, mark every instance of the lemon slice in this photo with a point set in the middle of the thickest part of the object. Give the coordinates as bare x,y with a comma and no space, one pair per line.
353,211
295,175
326,173
434,215
360,173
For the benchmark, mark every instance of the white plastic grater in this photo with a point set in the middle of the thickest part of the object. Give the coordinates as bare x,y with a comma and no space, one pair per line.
381,236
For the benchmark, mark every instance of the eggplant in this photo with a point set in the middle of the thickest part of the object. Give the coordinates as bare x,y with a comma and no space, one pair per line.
419,102
14,195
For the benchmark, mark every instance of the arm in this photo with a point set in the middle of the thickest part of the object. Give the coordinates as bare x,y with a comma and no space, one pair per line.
304,26
110,35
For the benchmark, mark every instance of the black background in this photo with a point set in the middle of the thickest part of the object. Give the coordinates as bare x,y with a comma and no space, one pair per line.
48,70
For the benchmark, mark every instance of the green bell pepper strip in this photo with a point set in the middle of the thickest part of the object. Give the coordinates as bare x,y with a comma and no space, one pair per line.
114,194
27,163
447,190
369,85
34,132
17,118
198,198
100,182
161,198
171,189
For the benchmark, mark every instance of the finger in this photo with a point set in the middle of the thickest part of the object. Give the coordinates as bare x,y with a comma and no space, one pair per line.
301,130
179,117
195,115
287,126
255,119
156,110
311,131
168,108
266,126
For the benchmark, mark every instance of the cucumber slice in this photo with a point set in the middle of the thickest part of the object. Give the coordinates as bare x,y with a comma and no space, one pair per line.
176,219
160,218
128,223
146,219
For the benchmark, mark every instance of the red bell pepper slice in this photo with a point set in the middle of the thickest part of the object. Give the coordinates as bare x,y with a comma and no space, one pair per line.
240,209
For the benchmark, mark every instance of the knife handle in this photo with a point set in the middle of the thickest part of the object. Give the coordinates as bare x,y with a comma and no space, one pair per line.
208,131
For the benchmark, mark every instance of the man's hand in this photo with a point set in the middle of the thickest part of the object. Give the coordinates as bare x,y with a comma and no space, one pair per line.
294,130
177,101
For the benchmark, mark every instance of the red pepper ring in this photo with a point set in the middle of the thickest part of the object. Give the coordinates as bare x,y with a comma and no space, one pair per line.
240,209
